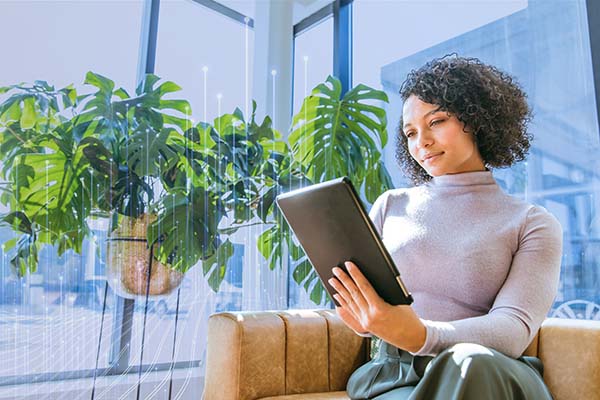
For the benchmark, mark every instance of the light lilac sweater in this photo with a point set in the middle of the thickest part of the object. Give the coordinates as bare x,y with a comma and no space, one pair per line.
482,266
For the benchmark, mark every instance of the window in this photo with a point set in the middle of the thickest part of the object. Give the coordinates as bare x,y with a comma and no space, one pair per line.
65,39
546,46
50,320
209,55
313,59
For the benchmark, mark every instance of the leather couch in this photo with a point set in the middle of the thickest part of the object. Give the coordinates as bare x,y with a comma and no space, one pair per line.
308,355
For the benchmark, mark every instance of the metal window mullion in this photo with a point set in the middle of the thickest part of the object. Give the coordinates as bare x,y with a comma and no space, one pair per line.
123,314
313,19
593,15
226,11
89,373
342,43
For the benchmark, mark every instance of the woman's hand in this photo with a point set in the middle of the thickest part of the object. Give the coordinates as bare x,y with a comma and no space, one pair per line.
364,311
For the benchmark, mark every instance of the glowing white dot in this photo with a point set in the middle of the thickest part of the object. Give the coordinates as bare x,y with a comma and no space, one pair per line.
219,96
305,58
273,72
205,69
246,20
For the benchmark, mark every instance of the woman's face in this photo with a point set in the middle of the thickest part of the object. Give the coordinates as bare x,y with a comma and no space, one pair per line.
436,140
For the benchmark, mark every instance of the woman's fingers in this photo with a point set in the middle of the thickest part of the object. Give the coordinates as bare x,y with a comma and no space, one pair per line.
347,316
363,285
346,297
351,287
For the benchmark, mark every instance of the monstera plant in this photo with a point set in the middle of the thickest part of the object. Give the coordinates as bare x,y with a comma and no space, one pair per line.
332,135
174,190
164,182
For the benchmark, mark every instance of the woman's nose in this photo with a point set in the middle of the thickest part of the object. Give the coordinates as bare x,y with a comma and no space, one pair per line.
424,140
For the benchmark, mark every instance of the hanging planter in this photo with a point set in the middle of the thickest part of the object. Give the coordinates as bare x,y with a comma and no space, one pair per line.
132,270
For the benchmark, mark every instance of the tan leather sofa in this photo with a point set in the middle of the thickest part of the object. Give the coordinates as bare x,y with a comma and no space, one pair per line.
308,355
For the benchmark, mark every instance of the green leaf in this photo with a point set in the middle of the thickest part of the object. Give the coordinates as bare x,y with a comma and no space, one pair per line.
186,228
215,267
28,116
182,106
378,180
167,87
334,136
104,84
270,246
10,112
56,181
147,150
146,84
18,221
302,271
265,203
317,294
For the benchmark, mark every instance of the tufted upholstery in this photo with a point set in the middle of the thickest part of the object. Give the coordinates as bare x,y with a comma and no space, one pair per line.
309,355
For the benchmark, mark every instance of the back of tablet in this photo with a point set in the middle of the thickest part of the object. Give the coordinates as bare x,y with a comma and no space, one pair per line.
332,226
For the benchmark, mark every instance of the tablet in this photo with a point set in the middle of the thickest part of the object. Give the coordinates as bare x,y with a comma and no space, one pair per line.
332,227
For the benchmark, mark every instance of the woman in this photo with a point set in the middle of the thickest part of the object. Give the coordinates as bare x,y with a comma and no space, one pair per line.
482,266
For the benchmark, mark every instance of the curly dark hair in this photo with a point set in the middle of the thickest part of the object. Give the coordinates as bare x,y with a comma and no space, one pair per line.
490,103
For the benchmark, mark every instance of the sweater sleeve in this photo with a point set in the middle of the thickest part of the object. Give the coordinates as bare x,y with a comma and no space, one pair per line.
523,301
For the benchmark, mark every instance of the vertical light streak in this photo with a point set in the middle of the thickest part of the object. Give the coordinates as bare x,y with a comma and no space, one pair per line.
205,90
247,112
304,127
45,333
273,105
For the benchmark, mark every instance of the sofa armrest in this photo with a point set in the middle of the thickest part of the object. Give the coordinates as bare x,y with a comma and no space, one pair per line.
570,352
259,354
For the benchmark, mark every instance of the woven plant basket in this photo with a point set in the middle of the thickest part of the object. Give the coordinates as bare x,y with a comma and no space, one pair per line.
132,270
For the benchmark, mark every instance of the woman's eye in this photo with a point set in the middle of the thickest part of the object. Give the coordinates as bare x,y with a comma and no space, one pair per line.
409,134
436,121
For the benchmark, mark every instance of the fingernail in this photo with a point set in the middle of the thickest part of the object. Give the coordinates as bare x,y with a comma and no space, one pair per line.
335,271
348,264
330,281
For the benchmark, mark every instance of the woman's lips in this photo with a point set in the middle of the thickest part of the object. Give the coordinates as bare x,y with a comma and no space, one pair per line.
431,159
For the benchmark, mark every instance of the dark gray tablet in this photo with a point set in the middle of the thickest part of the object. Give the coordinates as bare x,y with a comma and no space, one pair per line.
332,226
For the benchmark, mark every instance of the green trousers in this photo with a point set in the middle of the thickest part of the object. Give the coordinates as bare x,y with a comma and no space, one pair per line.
464,371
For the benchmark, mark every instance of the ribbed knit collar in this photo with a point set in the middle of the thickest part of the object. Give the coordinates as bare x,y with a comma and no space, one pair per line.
464,179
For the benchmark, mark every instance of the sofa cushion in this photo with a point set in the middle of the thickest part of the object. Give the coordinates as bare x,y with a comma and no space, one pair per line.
306,358
246,356
312,396
570,352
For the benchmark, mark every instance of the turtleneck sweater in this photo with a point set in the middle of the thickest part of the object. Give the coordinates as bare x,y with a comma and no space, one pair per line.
482,266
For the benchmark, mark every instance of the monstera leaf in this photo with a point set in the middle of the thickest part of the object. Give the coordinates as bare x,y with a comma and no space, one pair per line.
26,250
27,116
215,266
186,229
147,149
334,136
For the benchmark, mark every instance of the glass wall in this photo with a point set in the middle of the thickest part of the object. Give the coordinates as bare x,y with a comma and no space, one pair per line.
546,46
63,320
313,59
40,38
215,75
50,320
